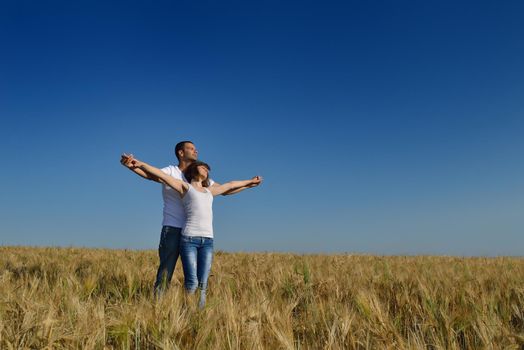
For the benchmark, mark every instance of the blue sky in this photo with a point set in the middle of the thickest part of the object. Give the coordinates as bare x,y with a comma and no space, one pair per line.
379,127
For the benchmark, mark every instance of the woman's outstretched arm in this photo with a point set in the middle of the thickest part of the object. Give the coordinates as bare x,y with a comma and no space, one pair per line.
126,159
234,187
178,185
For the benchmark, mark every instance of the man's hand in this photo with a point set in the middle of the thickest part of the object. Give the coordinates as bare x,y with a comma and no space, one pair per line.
129,161
126,160
133,164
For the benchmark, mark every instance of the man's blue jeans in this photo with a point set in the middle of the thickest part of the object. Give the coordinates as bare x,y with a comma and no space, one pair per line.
196,254
168,251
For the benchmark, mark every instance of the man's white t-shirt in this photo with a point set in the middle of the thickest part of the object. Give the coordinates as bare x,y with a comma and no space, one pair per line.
174,213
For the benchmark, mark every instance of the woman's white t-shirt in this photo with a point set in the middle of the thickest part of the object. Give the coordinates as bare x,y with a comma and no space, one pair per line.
174,214
199,213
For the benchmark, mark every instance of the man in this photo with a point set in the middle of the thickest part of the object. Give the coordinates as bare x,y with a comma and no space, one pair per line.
174,215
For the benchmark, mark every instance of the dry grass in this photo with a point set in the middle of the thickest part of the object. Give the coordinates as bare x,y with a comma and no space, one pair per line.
87,298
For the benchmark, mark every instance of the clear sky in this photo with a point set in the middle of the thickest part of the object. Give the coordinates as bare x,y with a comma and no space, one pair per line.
381,127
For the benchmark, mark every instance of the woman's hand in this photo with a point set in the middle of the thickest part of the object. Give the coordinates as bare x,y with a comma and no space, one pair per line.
131,162
136,163
125,160
255,181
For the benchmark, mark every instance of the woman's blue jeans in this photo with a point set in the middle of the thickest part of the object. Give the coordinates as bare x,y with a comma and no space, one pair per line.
197,255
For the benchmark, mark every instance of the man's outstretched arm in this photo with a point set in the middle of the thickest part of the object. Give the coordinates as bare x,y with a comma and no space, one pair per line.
126,160
178,185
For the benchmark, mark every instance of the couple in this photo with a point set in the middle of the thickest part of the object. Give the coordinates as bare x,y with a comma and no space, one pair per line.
187,228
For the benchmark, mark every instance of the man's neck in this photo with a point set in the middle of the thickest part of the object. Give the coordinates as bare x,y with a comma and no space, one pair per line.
183,164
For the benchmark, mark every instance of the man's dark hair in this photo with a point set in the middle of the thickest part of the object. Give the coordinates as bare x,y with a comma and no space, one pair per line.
180,146
192,172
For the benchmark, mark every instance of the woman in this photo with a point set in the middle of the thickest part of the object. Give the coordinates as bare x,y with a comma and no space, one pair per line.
196,243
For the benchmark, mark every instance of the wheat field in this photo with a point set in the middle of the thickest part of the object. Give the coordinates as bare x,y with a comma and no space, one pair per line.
72,298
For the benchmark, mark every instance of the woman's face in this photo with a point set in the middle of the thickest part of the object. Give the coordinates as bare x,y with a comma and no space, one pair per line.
202,171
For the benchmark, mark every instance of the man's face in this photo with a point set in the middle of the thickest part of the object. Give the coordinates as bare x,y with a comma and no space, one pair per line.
190,152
